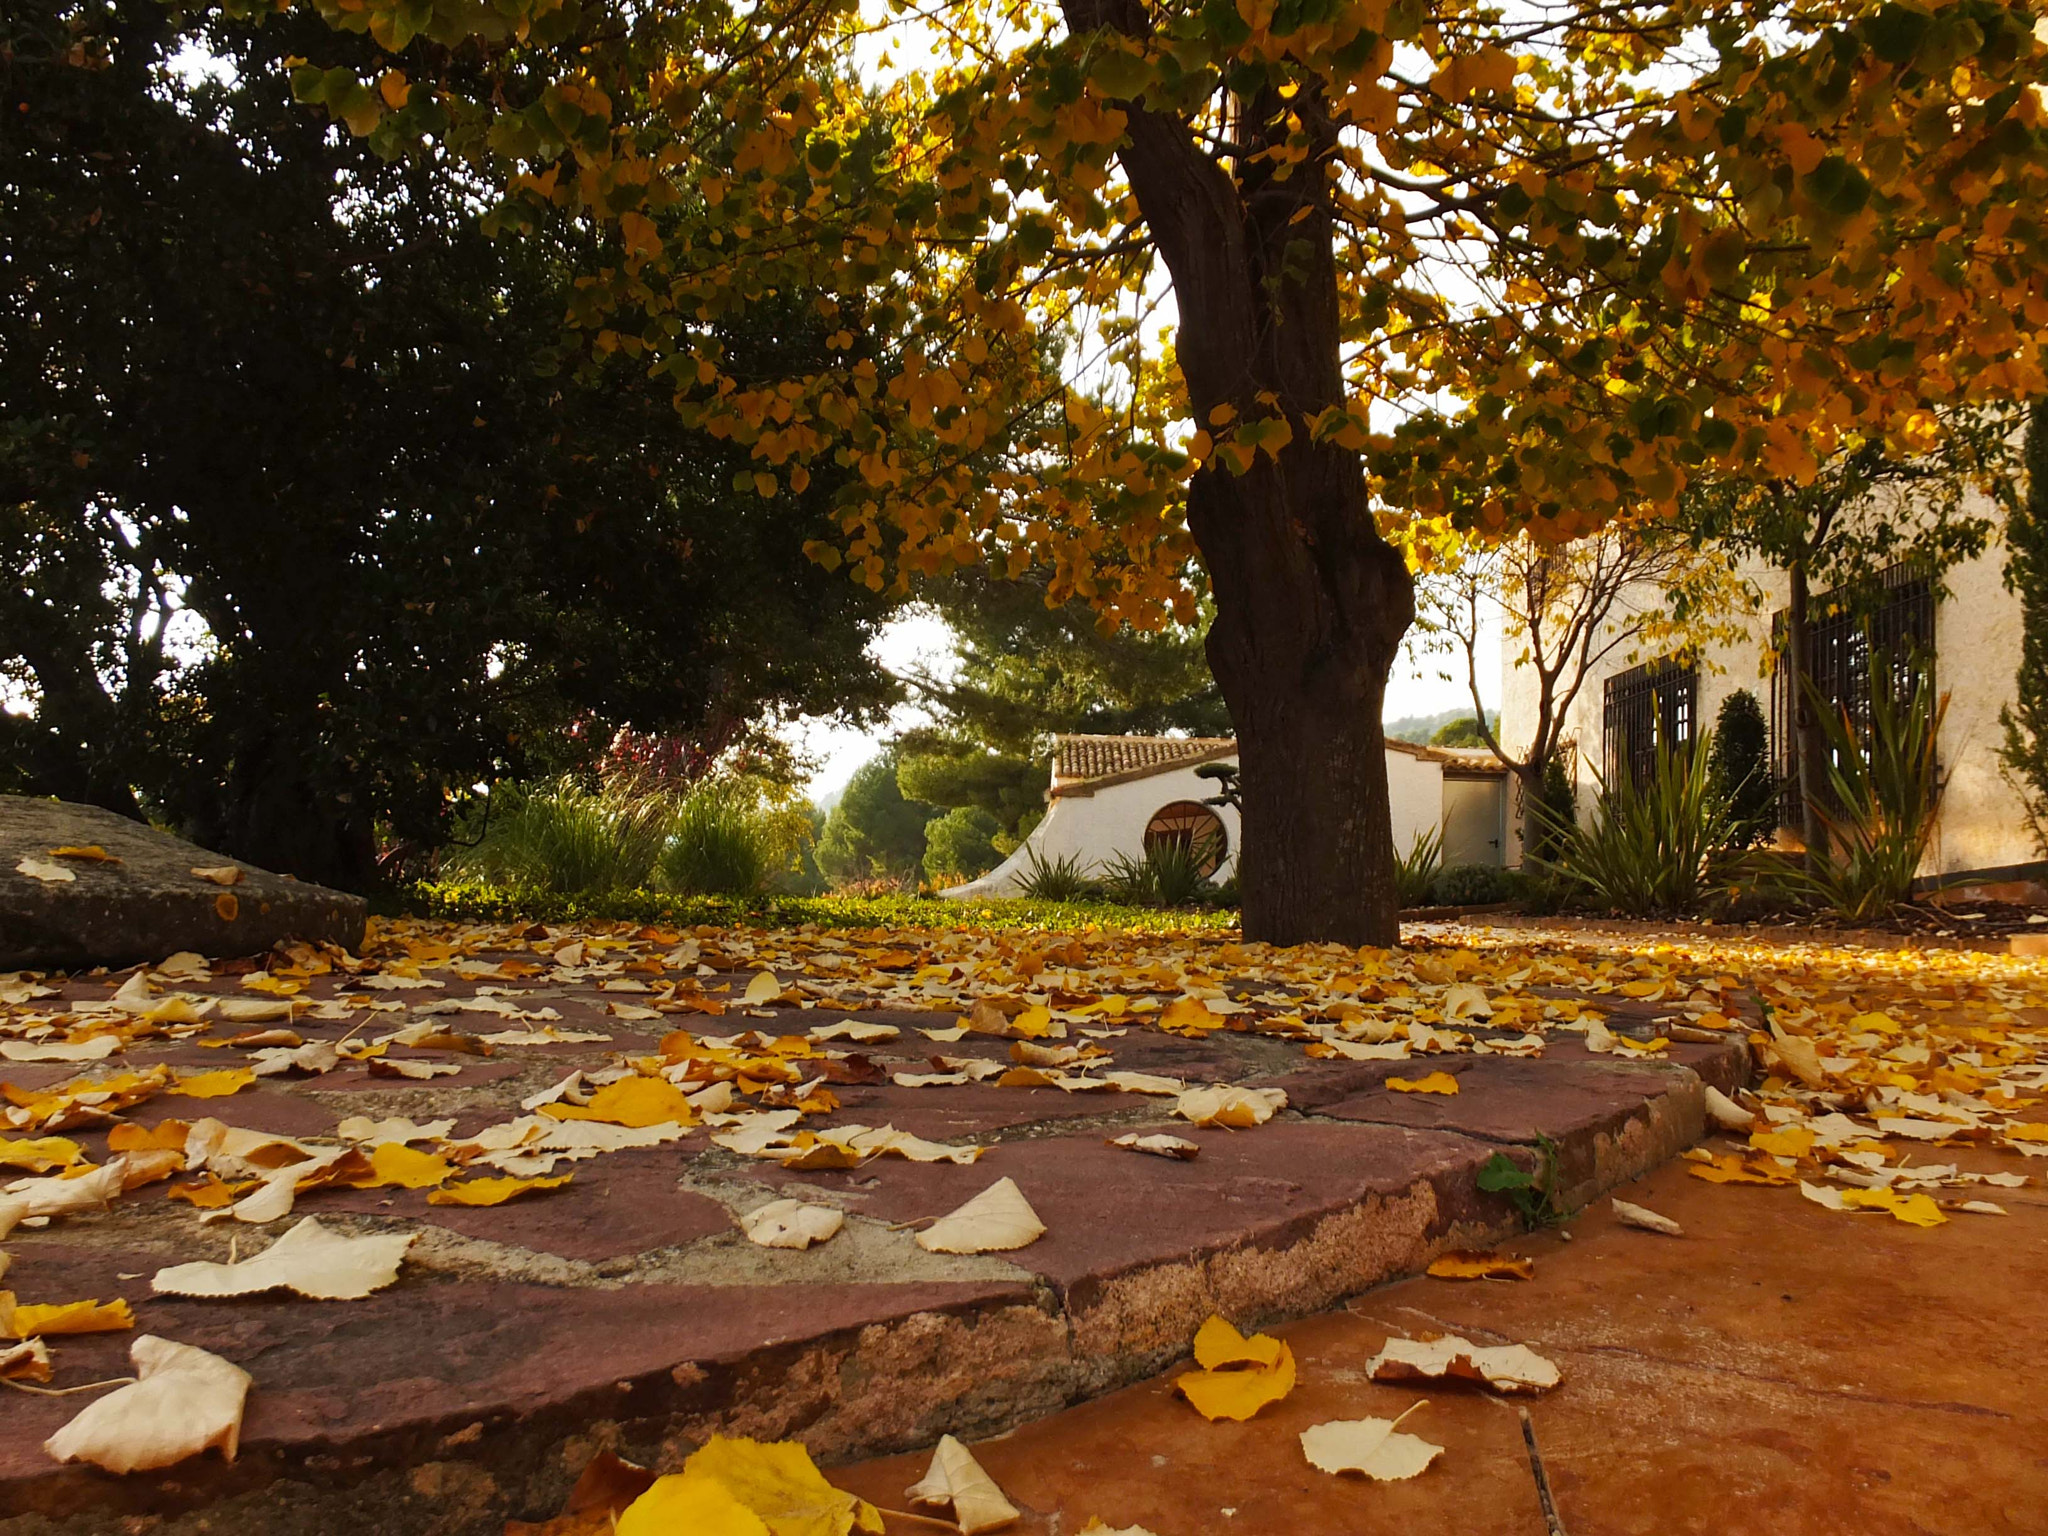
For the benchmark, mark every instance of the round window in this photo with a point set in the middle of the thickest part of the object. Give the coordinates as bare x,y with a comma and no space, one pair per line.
1190,824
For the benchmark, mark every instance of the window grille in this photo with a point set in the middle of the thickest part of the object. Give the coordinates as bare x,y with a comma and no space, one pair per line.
1843,642
1657,702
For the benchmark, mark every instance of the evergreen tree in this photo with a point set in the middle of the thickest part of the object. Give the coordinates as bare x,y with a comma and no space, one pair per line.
1741,766
2025,751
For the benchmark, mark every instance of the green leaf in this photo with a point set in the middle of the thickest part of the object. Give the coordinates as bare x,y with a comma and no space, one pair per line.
1500,1172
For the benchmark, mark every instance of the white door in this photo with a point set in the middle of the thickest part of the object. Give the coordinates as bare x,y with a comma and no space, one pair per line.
1474,820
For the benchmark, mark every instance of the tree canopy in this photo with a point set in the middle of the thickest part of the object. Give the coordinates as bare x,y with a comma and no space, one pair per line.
1436,264
309,531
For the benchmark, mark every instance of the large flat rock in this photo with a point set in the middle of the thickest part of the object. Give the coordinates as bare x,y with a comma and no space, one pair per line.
145,902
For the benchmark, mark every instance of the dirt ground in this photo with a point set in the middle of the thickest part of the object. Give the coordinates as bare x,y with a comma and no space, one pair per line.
1780,1370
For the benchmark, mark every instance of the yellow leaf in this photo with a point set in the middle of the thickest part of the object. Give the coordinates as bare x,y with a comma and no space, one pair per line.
66,1317
1237,1394
956,1480
762,990
392,86
219,874
632,1101
777,1481
1914,1210
2023,1131
492,1191
89,853
1793,1141
40,1155
698,1505
1467,1265
213,1085
1218,1344
994,1221
1732,1168
1436,1082
396,1164
1189,1015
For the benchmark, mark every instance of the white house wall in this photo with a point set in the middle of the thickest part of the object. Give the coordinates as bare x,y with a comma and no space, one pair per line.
1096,828
1415,796
1977,650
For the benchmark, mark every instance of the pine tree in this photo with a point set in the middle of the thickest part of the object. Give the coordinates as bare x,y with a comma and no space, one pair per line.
1742,767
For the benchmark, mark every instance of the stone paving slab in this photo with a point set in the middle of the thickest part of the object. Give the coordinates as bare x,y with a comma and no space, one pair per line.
628,1310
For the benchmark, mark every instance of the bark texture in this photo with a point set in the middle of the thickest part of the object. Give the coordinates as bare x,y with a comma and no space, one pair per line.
1311,603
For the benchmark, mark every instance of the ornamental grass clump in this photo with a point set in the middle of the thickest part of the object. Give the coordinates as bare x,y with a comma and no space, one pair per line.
1654,848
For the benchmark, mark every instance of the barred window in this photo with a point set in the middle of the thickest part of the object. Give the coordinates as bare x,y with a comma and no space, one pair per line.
1845,641
1649,705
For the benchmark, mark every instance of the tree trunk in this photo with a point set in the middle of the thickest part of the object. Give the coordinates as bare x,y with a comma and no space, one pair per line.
1303,637
1536,834
1310,602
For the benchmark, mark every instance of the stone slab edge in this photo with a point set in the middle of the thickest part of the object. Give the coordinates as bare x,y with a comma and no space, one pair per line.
977,1369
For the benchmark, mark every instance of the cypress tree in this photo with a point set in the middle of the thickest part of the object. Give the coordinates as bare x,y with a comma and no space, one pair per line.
2025,751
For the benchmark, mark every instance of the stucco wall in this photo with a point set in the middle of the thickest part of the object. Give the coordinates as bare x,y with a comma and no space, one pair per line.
1977,648
1097,827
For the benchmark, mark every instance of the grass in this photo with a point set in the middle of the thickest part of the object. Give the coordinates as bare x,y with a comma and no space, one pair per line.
566,839
1416,870
719,844
478,901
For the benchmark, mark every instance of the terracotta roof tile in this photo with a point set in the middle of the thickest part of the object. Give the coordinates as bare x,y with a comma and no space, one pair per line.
1079,759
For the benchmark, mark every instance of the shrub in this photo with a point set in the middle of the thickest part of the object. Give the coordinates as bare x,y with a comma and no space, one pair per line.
2024,751
1170,873
960,844
1060,879
1887,787
1741,765
1471,885
1415,871
1554,811
721,843
567,838
1653,849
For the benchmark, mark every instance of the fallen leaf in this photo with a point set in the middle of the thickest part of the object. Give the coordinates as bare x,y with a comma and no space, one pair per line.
1503,1367
40,1154
395,1165
1218,1345
27,1361
773,1481
1371,1446
1237,1393
791,1224
698,1505
185,1401
1726,1113
995,1221
634,1101
213,1085
956,1480
1436,1082
389,1066
88,853
1648,1220
1159,1146
44,870
1733,1168
1466,1264
21,1322
492,1191
220,874
227,906
97,1048
310,1260
763,989
1231,1107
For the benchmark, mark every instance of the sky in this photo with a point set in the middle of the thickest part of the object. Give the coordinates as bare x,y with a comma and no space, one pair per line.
920,640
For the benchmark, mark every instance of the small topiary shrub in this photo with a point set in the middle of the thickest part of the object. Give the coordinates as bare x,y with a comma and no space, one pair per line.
1471,885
